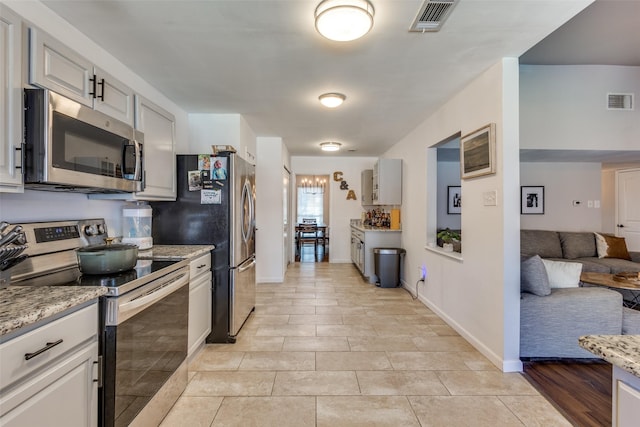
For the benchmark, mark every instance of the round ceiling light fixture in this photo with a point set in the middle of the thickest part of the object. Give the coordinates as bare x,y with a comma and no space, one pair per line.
332,100
344,20
330,146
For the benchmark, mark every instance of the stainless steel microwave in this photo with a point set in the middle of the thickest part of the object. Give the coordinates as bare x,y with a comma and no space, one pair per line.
72,147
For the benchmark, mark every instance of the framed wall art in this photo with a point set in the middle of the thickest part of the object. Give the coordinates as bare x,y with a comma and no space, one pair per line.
454,199
478,152
532,200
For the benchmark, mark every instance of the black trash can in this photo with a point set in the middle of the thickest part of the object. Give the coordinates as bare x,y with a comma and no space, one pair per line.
387,266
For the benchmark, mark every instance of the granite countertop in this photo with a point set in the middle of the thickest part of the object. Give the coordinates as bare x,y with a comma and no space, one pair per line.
622,351
171,252
366,228
22,306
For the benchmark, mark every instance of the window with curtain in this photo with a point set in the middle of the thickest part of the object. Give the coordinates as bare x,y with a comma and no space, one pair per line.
312,203
310,206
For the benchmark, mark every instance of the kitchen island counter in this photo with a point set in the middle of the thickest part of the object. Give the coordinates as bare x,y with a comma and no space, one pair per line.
25,307
619,350
174,252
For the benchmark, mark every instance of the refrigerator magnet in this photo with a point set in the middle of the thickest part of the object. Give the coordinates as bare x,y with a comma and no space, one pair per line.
204,162
195,183
211,197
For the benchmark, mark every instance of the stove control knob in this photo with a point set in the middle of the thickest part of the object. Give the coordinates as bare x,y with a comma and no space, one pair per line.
101,229
90,230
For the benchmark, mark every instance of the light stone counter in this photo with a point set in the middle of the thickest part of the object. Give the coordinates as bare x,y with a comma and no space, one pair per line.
174,252
622,351
26,306
368,228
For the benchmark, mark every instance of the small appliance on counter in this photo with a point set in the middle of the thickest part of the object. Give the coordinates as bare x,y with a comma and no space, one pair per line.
136,224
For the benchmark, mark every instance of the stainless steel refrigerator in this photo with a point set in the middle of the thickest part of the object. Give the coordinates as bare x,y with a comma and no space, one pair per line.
216,205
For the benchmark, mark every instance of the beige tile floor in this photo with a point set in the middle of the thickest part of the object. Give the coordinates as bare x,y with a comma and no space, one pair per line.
325,348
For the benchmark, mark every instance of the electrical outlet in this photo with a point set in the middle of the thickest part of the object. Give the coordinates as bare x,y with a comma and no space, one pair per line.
423,273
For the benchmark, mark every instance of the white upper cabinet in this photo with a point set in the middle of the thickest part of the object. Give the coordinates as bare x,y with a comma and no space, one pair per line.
158,126
10,101
366,186
54,66
387,182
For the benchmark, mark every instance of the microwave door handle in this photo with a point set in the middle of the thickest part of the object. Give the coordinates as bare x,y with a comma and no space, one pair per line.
137,173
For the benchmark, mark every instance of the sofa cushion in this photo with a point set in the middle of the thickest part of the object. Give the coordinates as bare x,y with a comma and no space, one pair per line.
593,265
540,242
533,277
630,321
617,265
611,247
563,274
577,244
550,326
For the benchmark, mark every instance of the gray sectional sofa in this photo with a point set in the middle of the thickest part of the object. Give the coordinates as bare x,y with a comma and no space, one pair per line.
575,247
550,324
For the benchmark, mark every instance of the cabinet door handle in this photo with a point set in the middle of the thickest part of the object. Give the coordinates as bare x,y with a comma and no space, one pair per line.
101,83
93,86
47,347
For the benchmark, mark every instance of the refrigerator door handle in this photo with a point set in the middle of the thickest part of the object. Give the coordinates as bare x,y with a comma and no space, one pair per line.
250,263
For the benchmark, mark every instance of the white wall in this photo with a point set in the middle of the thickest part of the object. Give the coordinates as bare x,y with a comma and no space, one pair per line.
206,130
271,252
563,183
564,107
478,296
448,174
41,205
341,210
35,206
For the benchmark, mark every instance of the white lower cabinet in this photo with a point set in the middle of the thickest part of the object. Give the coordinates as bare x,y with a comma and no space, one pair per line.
199,302
369,240
625,398
50,375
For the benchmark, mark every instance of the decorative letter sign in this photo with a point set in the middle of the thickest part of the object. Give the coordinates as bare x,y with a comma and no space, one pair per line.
351,195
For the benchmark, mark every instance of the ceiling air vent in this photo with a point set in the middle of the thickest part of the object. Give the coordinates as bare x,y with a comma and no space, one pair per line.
432,15
620,101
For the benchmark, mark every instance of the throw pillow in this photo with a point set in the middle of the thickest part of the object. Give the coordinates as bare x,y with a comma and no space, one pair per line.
577,244
563,274
611,247
533,277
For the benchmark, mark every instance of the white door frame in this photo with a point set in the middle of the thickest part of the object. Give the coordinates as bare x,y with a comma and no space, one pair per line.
620,231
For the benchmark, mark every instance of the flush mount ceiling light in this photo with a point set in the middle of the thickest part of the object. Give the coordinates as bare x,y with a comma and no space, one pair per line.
330,146
344,20
332,100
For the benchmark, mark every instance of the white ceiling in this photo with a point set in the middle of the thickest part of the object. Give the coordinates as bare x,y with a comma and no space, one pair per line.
264,60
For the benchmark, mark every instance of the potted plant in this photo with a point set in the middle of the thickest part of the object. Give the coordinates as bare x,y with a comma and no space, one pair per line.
448,236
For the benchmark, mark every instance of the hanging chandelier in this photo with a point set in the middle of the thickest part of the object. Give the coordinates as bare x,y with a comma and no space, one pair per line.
314,185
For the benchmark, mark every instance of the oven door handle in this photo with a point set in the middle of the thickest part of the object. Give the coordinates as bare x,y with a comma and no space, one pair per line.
153,295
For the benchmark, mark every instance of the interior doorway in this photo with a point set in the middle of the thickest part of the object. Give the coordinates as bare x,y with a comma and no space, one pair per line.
628,207
312,218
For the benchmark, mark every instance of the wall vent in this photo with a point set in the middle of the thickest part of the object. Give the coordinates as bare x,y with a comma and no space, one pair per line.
432,15
620,101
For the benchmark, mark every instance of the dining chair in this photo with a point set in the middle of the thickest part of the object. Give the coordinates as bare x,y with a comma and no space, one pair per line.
309,221
307,234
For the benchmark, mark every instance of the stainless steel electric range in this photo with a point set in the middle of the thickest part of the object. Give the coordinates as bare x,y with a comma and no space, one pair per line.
143,319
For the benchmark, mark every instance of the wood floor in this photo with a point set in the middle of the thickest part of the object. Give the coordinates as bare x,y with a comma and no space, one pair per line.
580,390
307,254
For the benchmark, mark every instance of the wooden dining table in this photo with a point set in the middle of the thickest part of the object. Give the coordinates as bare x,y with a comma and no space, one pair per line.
321,235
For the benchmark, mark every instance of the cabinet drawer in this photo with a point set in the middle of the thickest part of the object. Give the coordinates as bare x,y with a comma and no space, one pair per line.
73,330
200,265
